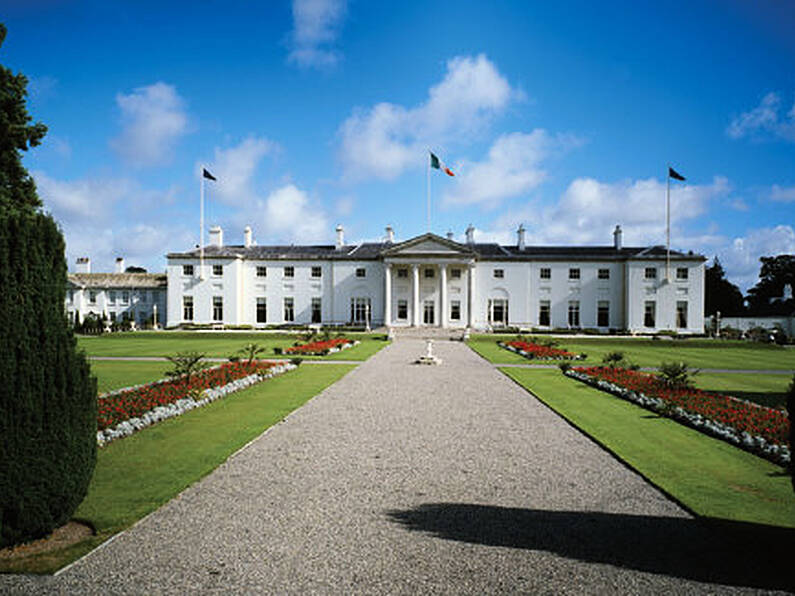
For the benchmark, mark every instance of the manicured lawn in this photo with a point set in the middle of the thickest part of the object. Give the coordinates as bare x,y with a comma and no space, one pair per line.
136,475
769,390
696,353
124,373
710,477
214,345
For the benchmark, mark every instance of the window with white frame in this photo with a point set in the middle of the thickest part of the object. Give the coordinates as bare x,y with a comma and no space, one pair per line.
455,273
681,273
429,273
112,297
316,310
187,308
218,308
361,272
187,270
650,273
316,271
402,310
545,273
360,309
498,311
262,309
218,270
403,273
92,296
544,313
262,271
603,313
603,274
289,309
455,310
125,297
649,313
574,313
681,314
289,271
574,273
499,273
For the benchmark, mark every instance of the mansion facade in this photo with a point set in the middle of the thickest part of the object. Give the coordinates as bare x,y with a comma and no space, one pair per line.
435,281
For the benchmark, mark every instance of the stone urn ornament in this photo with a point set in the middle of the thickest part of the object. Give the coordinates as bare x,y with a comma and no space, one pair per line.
428,357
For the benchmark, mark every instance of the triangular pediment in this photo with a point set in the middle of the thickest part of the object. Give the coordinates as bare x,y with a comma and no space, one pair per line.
429,245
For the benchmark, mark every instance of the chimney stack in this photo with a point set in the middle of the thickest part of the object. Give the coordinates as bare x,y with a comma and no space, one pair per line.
216,236
520,237
83,265
247,236
450,235
340,237
470,234
119,264
617,240
390,235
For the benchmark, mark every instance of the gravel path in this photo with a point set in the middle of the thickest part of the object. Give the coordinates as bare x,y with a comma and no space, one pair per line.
408,479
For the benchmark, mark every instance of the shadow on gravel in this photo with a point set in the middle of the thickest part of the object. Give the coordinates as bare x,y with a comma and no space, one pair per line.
714,551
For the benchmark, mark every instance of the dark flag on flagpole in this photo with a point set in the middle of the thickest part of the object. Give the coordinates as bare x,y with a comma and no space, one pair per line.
209,176
674,174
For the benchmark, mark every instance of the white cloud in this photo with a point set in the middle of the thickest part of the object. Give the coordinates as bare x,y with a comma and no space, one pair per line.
80,199
785,194
381,142
765,120
234,168
740,258
511,168
345,206
153,119
316,25
287,214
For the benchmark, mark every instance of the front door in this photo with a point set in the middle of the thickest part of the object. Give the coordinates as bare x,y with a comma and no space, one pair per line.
428,317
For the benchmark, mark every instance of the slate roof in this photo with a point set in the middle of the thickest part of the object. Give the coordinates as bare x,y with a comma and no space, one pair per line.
119,280
368,251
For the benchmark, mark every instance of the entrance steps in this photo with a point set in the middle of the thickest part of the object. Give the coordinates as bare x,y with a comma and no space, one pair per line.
435,333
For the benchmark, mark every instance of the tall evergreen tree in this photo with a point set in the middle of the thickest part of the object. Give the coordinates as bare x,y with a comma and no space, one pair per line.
47,395
765,297
720,295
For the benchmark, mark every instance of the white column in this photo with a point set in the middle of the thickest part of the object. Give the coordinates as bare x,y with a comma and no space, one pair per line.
415,288
471,302
388,295
443,296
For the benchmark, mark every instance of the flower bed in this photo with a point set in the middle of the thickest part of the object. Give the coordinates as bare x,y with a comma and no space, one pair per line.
533,351
125,411
322,347
755,428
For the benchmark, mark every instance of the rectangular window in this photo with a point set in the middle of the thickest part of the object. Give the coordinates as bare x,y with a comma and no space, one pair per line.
125,297
262,271
681,273
603,313
403,310
71,296
316,310
289,271
574,313
218,270
604,274
111,297
681,315
403,273
92,296
545,273
499,273
498,311
649,313
455,274
113,317
361,272
360,310
574,273
543,313
289,309
218,308
428,273
187,270
144,296
316,272
455,310
650,273
428,314
262,310
187,308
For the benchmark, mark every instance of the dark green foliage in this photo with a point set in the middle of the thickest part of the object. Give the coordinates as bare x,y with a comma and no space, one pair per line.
676,375
186,364
613,359
251,350
16,134
791,414
720,295
47,396
765,297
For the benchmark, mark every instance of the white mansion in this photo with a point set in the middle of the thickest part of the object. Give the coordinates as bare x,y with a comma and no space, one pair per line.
434,281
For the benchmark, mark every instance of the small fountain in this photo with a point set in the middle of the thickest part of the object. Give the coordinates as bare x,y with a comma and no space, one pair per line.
428,357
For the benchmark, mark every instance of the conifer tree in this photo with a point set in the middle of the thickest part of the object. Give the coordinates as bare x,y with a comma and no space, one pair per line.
47,395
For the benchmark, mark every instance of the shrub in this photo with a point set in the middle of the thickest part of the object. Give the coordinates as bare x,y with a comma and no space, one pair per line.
297,361
251,351
613,359
791,414
675,375
186,364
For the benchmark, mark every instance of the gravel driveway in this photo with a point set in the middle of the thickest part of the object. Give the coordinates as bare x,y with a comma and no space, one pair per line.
413,479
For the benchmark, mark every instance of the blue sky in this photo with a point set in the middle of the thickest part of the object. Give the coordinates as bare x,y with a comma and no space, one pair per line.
561,116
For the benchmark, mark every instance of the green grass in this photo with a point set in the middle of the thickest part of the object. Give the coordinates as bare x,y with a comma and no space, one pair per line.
769,390
696,353
710,477
115,374
136,475
214,345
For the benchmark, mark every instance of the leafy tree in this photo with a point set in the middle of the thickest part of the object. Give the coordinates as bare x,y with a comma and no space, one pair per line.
251,351
775,273
719,293
676,375
186,364
134,269
16,134
48,399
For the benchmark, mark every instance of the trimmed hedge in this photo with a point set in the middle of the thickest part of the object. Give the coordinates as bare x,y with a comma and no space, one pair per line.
48,406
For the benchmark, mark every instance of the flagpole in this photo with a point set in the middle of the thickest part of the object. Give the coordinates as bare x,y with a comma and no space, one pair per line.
201,226
428,181
668,226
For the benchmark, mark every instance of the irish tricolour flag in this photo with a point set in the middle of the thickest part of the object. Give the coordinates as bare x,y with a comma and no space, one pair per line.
439,165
